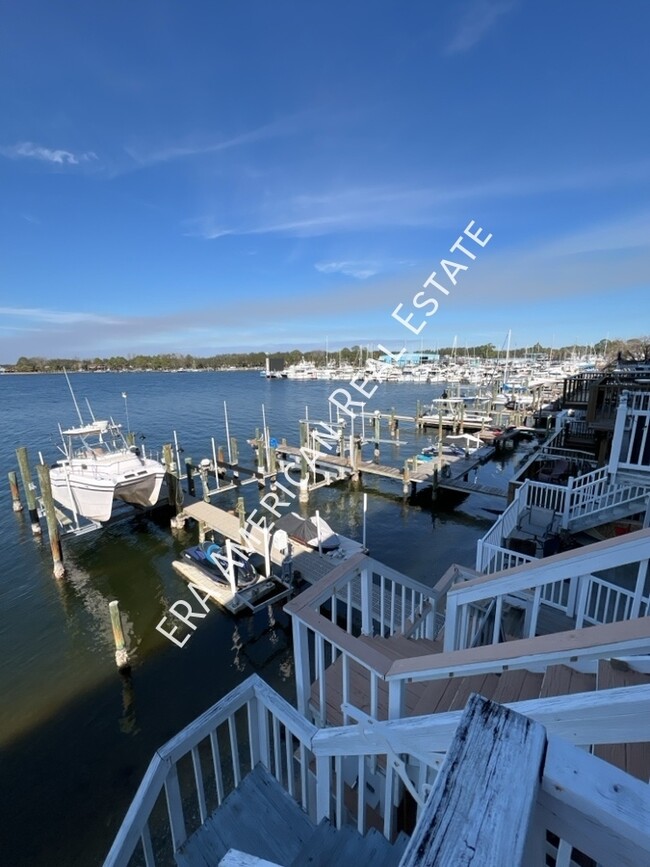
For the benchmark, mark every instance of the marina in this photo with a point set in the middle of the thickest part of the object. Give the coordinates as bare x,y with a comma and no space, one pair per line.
220,493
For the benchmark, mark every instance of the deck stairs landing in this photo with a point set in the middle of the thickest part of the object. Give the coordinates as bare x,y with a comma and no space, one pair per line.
451,693
261,819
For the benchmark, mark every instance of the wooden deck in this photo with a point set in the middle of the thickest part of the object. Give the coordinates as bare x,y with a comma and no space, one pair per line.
452,693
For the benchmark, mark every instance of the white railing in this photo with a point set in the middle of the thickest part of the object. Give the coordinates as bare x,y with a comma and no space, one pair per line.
554,580
198,768
491,553
338,773
594,493
604,602
360,598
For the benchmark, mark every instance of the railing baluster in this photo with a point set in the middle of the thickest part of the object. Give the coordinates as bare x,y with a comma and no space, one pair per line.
198,779
348,618
338,770
304,780
392,608
216,764
277,753
234,750
288,742
345,685
175,808
320,669
361,796
147,847
382,605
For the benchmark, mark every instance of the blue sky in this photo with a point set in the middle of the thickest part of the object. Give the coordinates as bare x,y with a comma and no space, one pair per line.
213,177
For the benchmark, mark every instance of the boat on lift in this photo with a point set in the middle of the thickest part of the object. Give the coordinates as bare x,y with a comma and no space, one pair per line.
100,466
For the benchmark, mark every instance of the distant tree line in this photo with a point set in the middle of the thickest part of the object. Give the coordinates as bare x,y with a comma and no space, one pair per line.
635,349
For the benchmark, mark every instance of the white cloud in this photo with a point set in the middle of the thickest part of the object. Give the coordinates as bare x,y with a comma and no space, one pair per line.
479,18
28,150
360,270
62,317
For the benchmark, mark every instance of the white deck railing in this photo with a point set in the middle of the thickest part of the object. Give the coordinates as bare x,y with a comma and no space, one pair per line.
565,581
362,597
631,440
327,770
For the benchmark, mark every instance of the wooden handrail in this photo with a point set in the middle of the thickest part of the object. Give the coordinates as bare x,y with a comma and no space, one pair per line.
628,636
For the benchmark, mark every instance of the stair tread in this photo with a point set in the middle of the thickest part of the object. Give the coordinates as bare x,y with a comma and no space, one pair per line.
259,817
564,680
633,758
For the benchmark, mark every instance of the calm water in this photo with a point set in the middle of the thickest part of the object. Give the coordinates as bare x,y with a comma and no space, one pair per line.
76,736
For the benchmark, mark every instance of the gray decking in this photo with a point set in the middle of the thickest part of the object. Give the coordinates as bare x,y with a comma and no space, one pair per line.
262,819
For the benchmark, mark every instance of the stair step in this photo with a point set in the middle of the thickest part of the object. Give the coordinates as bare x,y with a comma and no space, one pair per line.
564,680
517,685
259,818
633,758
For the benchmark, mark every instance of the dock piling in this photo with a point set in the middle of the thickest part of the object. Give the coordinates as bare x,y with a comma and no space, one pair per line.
189,469
15,493
29,487
121,653
43,473
174,490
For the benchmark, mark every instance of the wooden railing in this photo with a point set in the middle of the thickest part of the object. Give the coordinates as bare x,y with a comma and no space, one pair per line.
361,597
554,580
337,773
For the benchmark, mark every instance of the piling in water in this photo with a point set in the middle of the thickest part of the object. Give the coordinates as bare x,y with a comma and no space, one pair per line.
29,487
43,473
121,653
15,493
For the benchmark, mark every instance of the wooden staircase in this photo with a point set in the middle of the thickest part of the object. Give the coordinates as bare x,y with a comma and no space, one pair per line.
261,819
452,693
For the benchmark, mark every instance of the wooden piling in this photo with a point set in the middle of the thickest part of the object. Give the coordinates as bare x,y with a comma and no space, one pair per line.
15,493
377,434
43,473
121,653
29,488
189,469
174,490
241,511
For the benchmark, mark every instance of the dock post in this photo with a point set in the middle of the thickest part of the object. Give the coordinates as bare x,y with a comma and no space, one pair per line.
43,473
303,491
15,493
434,485
203,475
234,452
190,477
174,490
392,425
461,429
407,478
121,653
377,432
241,511
28,485
418,415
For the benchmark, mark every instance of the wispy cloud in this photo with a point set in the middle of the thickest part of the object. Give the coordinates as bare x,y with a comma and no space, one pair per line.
62,317
60,157
360,270
479,18
202,145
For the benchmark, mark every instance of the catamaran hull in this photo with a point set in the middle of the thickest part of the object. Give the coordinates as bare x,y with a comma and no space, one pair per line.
93,497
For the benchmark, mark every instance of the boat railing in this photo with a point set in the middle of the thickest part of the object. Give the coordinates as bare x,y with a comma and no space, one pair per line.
338,773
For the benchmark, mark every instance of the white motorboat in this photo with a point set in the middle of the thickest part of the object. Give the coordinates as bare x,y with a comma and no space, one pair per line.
98,467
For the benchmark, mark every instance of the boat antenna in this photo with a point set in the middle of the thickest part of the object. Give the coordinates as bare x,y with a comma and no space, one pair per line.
92,414
74,399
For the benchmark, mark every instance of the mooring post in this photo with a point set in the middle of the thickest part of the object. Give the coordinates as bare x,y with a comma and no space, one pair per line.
15,493
241,511
377,431
43,473
418,415
174,490
462,418
29,487
434,485
393,422
234,452
121,653
407,477
189,470
303,491
205,487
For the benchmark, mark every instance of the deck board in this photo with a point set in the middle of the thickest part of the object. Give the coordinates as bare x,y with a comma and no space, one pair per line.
632,758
